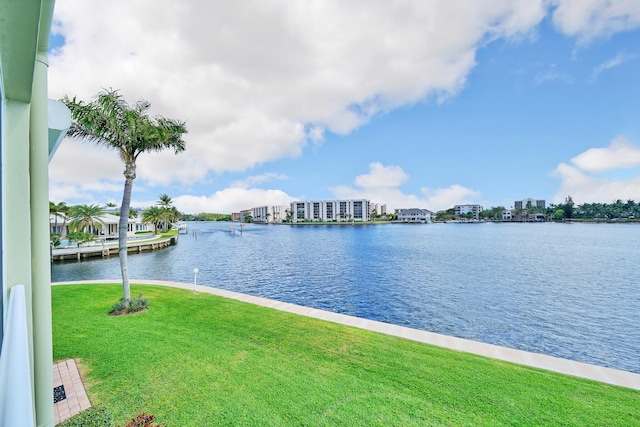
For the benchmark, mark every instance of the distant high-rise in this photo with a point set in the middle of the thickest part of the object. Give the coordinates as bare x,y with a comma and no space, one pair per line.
527,203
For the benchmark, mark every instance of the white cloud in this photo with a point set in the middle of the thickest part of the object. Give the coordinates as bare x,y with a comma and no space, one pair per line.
619,59
231,200
619,154
584,179
258,179
381,176
589,19
445,198
552,74
256,81
584,188
381,184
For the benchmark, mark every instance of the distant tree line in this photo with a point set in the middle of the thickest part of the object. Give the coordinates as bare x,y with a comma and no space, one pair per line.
204,216
616,210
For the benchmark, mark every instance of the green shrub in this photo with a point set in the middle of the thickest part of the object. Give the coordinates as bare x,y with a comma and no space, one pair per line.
95,416
136,304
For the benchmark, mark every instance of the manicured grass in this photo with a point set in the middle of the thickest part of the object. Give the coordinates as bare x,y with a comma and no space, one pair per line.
202,360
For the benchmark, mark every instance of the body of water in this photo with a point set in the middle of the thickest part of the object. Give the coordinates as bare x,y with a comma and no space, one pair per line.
567,290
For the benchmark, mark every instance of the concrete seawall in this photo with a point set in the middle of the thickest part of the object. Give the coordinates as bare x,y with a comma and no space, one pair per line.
69,254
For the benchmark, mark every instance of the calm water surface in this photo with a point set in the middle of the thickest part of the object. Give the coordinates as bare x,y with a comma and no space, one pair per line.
567,290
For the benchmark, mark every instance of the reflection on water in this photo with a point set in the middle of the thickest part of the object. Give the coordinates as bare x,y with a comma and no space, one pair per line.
568,290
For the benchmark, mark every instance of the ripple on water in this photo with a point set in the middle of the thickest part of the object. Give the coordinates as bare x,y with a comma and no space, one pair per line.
567,290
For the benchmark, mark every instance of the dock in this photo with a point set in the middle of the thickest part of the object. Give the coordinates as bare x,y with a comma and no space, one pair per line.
105,251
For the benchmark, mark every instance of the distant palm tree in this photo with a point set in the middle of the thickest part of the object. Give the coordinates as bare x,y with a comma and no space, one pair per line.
60,210
110,121
154,215
174,214
165,201
86,218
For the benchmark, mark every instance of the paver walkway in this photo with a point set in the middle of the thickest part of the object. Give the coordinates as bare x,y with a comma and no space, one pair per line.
75,399
536,360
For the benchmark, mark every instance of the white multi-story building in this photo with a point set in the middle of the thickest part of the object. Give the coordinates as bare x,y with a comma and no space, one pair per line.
465,209
414,215
381,209
244,214
271,214
330,210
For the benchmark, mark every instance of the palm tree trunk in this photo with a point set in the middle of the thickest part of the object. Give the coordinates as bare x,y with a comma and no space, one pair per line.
123,224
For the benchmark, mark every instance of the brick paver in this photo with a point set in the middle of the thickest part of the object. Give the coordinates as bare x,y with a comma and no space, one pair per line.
66,373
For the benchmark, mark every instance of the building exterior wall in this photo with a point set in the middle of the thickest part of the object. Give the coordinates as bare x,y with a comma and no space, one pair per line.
110,229
244,214
414,215
269,214
330,210
25,260
524,204
465,209
381,209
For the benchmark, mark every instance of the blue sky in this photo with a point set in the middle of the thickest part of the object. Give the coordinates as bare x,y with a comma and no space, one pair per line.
489,107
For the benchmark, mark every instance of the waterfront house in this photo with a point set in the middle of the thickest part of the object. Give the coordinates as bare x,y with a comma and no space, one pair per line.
31,127
414,215
110,229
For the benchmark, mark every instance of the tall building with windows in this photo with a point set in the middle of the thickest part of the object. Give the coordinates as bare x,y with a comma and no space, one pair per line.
466,209
330,210
270,214
380,209
527,203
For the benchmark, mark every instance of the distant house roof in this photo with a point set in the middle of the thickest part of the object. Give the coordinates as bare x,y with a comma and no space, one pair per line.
414,211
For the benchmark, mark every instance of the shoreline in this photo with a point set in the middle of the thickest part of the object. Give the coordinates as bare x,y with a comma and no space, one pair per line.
105,251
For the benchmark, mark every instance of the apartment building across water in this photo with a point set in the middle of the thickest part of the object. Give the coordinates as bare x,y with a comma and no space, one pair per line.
330,210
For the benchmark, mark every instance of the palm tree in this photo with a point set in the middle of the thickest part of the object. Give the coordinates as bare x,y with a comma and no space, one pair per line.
86,218
175,214
110,121
59,210
154,215
165,201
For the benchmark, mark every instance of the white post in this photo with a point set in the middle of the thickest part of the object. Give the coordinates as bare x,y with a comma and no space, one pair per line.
195,279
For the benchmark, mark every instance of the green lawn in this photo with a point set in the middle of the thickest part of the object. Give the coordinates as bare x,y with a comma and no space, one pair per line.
202,360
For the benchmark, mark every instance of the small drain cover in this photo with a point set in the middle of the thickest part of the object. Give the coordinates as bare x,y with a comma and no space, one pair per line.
59,394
